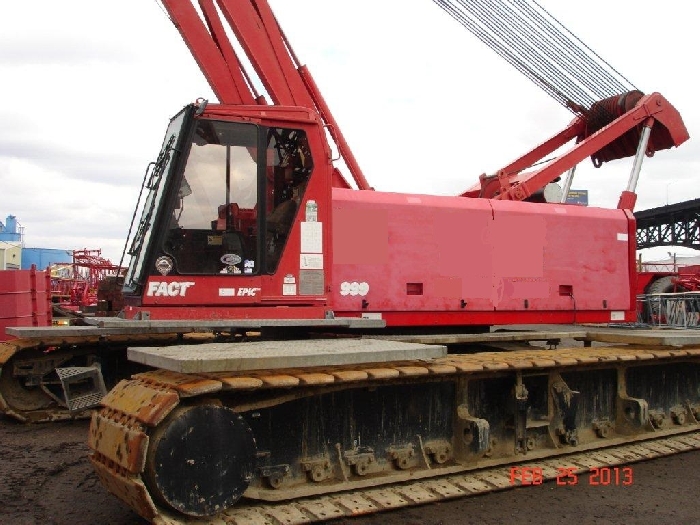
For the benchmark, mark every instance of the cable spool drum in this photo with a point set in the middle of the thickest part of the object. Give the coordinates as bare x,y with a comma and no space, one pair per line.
606,111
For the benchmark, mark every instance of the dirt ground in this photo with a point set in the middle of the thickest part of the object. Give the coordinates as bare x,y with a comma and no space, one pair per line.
45,478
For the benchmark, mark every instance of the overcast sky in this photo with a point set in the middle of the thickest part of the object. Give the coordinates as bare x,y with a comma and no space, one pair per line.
89,87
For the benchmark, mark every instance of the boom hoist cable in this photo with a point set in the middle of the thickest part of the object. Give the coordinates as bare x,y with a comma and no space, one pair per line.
529,38
532,40
614,119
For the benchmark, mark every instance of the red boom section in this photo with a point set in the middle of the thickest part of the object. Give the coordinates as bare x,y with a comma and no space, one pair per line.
286,81
214,55
613,136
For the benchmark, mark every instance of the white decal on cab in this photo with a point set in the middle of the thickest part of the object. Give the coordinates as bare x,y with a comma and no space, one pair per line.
248,292
354,288
164,289
240,292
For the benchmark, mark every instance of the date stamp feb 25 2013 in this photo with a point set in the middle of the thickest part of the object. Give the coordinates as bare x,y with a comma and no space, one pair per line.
597,476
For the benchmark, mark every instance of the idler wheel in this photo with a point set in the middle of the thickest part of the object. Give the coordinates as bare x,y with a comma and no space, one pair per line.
200,460
17,396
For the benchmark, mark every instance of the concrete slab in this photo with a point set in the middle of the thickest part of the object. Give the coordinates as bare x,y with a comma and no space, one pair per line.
645,337
267,355
63,331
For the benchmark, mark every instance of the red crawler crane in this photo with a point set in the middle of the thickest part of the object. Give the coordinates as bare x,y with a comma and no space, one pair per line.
77,288
246,224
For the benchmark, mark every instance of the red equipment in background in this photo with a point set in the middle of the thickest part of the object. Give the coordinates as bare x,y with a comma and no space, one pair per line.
74,286
654,278
24,299
688,278
667,295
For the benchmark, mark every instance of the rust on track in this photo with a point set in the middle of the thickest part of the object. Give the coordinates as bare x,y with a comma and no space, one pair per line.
135,407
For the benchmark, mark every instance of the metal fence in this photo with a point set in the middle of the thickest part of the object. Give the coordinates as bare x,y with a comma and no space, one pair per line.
676,310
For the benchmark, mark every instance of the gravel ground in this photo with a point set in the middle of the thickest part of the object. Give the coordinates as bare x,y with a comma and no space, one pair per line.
45,478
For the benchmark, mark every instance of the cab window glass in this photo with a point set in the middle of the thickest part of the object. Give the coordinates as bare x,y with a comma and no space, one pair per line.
289,166
213,228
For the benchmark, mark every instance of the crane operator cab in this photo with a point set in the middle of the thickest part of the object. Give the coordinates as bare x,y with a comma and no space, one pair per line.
222,202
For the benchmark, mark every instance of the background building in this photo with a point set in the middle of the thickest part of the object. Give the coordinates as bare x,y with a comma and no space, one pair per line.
14,256
10,244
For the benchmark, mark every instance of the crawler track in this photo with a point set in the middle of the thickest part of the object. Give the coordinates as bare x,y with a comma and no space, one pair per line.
29,388
583,407
322,508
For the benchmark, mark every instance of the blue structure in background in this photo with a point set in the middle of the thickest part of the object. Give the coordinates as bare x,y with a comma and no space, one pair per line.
9,231
44,257
13,232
